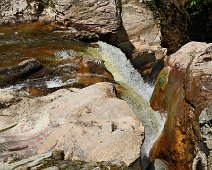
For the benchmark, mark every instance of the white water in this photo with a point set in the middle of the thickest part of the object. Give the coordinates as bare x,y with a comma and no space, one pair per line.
57,82
138,95
11,89
123,71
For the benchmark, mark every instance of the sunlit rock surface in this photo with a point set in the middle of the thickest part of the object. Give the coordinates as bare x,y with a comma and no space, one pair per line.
98,16
143,46
90,124
183,90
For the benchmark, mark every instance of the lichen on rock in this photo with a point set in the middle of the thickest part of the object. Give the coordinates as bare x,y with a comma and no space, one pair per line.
186,94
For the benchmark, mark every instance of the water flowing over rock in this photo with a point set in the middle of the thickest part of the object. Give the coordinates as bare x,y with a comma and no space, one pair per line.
135,92
128,25
183,90
71,72
90,124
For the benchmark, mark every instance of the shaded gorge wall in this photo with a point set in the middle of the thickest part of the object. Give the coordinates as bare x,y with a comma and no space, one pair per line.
183,21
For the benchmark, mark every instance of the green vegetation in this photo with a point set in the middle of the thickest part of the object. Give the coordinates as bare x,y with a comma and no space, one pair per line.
195,3
196,6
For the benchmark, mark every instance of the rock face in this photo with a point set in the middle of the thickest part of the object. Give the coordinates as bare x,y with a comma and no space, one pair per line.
143,46
183,91
196,25
90,124
101,16
204,157
141,27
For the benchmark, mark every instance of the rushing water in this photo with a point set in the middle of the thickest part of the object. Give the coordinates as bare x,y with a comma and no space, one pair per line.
137,93
16,46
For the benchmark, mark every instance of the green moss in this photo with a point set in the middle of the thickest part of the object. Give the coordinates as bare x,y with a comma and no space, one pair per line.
162,79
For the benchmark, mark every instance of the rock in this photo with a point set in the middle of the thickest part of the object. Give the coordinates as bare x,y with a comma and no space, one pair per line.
22,70
140,25
6,99
143,46
158,165
48,161
203,158
100,16
73,72
183,91
90,124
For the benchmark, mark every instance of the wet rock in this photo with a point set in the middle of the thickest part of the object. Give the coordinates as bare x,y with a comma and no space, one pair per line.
72,72
183,91
90,124
22,70
68,71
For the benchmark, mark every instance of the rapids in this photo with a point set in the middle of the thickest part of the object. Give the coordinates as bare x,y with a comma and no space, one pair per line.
47,48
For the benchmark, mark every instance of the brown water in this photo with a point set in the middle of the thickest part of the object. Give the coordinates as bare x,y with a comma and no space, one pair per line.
21,42
43,43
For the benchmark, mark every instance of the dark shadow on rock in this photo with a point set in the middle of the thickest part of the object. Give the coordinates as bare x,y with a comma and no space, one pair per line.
10,75
181,23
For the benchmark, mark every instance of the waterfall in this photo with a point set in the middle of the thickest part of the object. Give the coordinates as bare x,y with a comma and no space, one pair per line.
137,92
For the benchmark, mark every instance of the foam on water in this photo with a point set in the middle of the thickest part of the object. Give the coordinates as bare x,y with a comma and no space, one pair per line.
11,88
123,71
57,82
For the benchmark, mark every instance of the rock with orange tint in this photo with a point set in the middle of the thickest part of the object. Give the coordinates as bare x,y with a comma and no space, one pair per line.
90,124
183,91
